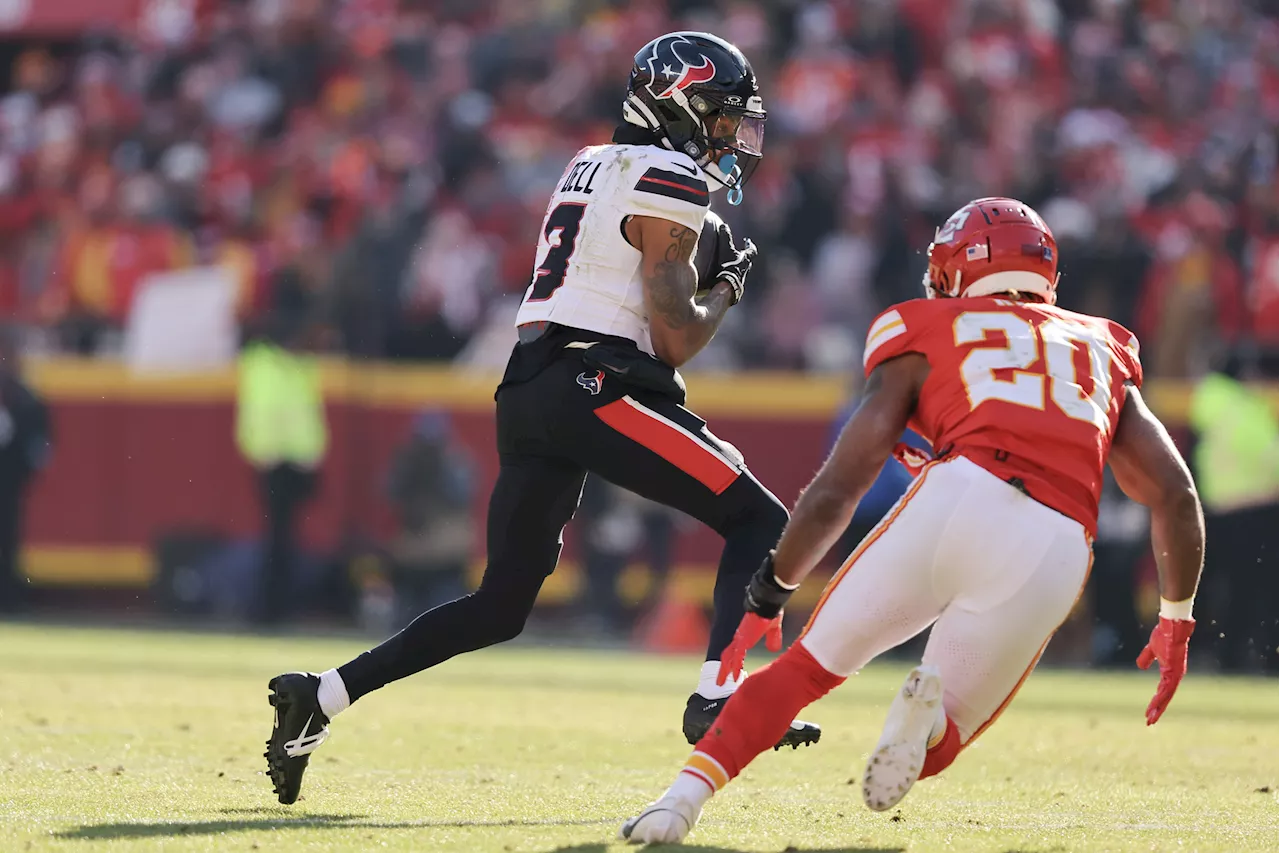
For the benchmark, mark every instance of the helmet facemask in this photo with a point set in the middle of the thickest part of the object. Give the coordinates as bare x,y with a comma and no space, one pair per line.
732,143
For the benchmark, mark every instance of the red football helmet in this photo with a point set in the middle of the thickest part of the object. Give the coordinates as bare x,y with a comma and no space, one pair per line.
990,246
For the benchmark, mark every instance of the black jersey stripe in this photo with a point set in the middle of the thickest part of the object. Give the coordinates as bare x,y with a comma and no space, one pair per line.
674,185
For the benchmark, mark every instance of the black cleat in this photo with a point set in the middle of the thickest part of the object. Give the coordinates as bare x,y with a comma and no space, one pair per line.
300,727
700,712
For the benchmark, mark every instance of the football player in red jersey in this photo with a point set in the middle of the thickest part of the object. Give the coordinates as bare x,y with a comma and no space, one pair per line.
1024,404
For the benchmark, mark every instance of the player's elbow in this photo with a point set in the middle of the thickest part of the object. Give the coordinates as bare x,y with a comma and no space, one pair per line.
669,346
1180,500
1170,493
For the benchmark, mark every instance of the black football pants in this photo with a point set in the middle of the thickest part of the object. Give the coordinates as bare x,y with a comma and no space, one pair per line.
552,430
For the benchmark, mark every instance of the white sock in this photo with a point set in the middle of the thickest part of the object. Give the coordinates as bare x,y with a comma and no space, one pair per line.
691,789
332,694
707,687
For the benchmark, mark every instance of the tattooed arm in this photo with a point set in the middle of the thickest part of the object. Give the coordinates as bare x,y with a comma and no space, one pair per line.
679,325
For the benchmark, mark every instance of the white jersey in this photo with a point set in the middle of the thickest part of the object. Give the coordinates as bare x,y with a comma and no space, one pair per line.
588,275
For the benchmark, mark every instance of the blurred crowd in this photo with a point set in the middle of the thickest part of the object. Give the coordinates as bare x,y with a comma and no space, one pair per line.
380,167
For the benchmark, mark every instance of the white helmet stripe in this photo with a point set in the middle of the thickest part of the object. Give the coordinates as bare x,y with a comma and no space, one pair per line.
645,114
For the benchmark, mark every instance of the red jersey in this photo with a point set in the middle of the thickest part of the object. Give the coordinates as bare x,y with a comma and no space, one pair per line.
1030,392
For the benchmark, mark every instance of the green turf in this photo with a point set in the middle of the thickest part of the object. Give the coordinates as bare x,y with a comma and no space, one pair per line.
119,740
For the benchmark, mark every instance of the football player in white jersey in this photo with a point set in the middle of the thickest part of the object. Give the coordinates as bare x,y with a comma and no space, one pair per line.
618,300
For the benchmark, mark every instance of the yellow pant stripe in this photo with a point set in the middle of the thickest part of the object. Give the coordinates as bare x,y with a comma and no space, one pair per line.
707,767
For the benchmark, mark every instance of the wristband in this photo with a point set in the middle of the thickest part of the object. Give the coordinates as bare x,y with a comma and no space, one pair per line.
1176,610
789,587
765,595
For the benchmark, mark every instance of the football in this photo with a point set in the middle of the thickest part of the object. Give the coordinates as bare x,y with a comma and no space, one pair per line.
706,257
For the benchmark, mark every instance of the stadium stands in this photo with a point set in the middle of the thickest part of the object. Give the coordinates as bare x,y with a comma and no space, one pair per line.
382,165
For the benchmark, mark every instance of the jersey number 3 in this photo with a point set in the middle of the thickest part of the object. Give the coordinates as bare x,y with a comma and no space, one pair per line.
561,231
1060,341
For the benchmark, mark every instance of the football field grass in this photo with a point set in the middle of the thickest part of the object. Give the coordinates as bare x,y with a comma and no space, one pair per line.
136,740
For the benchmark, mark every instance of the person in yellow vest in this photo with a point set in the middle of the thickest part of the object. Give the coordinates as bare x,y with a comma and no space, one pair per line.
281,431
1237,466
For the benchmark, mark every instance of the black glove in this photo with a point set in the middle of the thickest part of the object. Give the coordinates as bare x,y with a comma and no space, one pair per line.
765,596
734,271
715,247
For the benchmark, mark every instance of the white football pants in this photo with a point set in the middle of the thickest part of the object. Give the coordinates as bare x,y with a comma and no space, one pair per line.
995,570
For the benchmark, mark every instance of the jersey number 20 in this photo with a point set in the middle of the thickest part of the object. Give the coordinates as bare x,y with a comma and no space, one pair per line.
561,231
1059,340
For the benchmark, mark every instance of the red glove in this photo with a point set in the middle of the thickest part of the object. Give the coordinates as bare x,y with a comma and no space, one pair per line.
1168,645
912,458
750,630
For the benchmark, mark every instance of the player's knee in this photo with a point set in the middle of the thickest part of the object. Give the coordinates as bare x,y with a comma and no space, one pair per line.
502,626
798,672
831,653
818,679
506,629
497,619
773,513
762,512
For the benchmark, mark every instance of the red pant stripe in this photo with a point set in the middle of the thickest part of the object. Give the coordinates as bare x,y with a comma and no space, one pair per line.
671,441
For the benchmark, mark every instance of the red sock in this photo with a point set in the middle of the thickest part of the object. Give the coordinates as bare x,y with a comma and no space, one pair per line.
939,757
757,716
